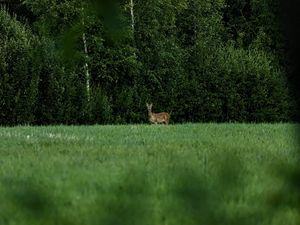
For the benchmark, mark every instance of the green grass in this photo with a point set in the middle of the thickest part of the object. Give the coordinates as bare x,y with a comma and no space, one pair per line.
147,174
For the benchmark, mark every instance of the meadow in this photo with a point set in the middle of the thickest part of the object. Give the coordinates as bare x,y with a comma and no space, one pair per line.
148,174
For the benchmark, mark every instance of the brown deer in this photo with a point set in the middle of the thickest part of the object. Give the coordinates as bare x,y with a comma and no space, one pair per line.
155,118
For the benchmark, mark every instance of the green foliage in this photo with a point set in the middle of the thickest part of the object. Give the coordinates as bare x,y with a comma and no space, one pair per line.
161,56
18,75
48,107
251,88
201,60
100,108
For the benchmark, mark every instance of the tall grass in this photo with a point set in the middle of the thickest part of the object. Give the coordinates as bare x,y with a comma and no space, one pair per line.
143,174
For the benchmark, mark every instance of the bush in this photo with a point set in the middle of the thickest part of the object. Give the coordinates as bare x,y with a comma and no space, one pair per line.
100,107
234,85
254,89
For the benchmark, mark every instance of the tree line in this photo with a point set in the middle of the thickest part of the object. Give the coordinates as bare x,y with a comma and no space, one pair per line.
87,62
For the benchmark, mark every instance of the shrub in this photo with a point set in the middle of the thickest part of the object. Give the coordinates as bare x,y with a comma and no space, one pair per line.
253,88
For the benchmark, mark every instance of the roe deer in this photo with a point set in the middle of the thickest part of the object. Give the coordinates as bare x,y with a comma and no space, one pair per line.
155,118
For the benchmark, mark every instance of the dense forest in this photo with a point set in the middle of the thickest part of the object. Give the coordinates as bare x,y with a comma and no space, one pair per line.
87,62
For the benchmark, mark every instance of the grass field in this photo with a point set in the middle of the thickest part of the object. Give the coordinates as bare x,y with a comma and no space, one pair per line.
147,174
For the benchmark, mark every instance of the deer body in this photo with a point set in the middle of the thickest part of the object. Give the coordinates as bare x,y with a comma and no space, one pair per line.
155,118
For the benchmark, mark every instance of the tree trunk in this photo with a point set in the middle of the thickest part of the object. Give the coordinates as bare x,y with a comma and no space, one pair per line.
86,67
132,15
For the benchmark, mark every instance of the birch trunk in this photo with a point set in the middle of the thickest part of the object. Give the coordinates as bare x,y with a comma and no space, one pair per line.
86,67
132,24
132,15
